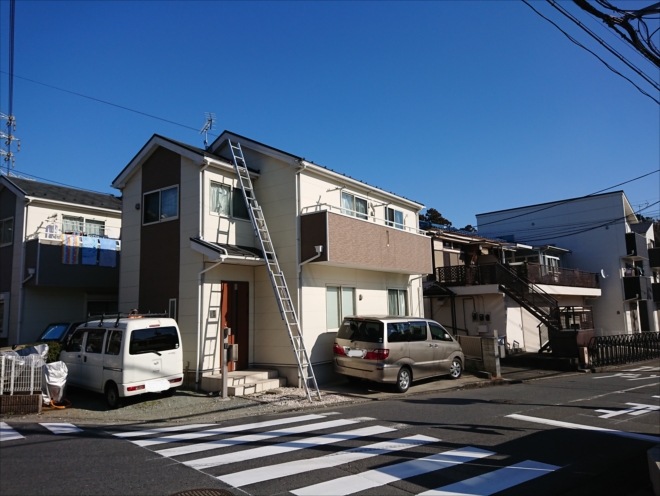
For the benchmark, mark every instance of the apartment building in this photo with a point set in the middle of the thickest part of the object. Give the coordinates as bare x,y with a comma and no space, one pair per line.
344,246
602,235
59,256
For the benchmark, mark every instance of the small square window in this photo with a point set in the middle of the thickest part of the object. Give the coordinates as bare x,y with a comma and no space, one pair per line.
160,205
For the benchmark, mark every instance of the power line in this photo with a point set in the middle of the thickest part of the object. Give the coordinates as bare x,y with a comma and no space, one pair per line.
591,52
108,103
570,200
604,43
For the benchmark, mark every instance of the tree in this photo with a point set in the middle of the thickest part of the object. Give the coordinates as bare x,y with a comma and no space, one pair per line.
469,228
435,217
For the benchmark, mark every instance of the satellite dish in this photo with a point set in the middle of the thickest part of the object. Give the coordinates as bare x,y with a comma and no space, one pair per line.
602,273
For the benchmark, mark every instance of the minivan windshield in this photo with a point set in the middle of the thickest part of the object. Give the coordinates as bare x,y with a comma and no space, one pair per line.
370,331
153,339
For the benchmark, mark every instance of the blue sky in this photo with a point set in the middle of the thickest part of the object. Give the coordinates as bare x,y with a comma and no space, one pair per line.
467,107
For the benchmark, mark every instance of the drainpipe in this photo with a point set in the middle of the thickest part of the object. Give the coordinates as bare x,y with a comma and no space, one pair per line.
21,289
201,199
419,296
302,165
200,303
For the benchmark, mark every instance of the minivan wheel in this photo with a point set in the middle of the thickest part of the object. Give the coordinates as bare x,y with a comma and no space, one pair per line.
112,396
403,380
456,368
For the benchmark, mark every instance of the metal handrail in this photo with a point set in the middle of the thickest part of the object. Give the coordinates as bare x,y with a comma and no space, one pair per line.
623,348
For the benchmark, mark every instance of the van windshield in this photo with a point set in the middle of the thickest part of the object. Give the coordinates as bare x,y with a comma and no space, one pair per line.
370,331
153,339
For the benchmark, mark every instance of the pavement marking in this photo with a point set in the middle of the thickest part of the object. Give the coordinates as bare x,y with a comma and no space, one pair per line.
251,438
614,392
656,396
495,481
278,449
636,409
8,434
646,368
629,377
246,477
56,428
569,425
224,430
392,473
150,432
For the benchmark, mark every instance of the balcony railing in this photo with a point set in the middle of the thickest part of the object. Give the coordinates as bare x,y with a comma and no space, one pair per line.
466,275
360,215
54,231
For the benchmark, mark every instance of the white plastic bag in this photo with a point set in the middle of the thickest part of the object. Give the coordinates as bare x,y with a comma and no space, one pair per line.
54,381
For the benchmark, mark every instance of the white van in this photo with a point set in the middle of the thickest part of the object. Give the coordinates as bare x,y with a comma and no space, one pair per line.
125,356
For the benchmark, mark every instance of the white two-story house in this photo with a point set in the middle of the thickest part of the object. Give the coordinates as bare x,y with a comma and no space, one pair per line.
189,248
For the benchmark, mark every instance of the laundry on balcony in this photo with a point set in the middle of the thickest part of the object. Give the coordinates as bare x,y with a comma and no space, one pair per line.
90,248
70,249
108,255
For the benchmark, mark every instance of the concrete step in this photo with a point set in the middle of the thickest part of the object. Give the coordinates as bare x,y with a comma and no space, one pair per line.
256,387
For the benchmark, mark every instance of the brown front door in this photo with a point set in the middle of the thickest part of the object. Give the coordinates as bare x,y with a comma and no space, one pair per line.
235,315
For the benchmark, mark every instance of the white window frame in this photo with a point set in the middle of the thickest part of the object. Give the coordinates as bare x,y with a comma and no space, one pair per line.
353,212
2,222
232,191
160,205
393,223
339,304
407,300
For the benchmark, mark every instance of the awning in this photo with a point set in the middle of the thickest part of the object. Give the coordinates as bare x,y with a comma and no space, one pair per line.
233,254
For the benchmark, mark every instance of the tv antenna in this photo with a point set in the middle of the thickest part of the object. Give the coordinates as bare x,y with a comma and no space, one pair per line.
208,126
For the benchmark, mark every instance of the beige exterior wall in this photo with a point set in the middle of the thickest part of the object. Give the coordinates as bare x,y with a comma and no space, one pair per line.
129,270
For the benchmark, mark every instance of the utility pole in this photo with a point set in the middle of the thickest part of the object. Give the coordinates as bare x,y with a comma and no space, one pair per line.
8,135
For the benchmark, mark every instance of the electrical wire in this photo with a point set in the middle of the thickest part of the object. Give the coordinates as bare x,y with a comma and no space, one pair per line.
568,15
570,200
108,103
593,53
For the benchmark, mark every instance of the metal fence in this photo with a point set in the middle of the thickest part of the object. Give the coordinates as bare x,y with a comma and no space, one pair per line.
623,348
20,374
471,346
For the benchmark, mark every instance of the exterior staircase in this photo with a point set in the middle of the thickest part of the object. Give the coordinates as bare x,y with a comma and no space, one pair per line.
242,382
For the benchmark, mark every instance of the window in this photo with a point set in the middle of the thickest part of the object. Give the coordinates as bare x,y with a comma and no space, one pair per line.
394,218
352,205
228,201
397,302
161,205
398,332
6,231
94,343
153,339
340,302
439,333
74,225
94,227
418,331
369,331
113,346
75,342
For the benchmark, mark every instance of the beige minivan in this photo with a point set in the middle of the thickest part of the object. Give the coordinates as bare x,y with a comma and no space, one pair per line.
395,350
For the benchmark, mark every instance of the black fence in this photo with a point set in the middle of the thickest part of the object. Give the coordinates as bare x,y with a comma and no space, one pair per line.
623,348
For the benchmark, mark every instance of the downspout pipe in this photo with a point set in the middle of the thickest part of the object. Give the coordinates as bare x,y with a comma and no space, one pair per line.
302,165
21,289
200,294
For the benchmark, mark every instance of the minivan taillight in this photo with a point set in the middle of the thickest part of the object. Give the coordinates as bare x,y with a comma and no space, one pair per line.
339,350
174,381
135,388
379,354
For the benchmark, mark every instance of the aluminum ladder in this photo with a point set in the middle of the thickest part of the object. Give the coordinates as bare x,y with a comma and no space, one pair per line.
280,288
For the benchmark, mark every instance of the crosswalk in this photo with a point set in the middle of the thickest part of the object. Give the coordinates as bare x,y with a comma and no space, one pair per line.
7,433
317,455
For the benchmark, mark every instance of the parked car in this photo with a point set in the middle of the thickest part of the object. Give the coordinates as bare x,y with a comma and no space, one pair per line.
395,350
125,356
58,331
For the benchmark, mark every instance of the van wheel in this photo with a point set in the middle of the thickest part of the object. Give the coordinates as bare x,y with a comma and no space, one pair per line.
456,368
403,380
112,396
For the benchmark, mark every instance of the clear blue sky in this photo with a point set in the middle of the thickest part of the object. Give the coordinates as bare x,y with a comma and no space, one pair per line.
467,107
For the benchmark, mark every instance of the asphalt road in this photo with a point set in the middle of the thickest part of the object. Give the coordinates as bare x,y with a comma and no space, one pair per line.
576,435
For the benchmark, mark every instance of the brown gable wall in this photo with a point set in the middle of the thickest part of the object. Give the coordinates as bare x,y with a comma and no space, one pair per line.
7,209
160,242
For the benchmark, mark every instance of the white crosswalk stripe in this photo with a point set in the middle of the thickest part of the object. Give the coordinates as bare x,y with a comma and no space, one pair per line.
225,430
56,428
392,473
278,449
496,481
265,452
247,477
251,438
8,434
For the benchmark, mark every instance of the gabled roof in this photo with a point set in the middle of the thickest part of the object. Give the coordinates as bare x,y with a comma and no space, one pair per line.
54,192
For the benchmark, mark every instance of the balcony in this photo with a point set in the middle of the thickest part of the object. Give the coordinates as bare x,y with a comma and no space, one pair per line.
95,265
637,288
655,289
463,275
654,258
636,247
363,243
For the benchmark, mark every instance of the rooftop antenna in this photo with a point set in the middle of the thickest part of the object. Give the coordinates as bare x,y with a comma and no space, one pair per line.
208,126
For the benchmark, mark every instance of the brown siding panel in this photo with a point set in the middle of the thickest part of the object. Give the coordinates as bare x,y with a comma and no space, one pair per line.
313,232
7,209
160,242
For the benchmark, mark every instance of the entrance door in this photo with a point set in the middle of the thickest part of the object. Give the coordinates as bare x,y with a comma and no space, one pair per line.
235,315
